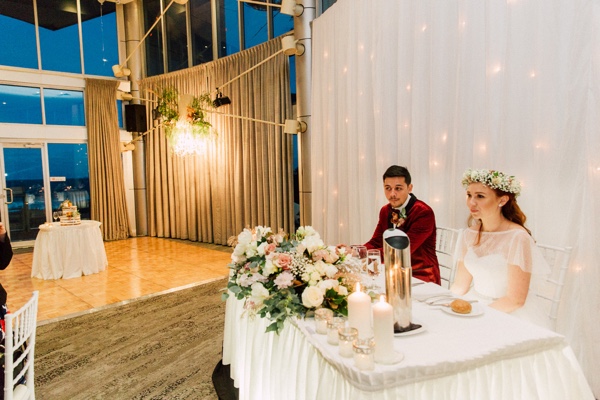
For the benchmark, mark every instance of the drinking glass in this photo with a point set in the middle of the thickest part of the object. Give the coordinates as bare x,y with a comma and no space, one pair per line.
374,266
360,252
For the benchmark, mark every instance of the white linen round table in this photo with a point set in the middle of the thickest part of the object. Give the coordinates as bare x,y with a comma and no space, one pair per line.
68,251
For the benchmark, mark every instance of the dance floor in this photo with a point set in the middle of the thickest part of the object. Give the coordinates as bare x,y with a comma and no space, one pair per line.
137,267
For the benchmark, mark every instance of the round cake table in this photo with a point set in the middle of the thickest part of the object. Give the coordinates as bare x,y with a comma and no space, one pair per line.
68,251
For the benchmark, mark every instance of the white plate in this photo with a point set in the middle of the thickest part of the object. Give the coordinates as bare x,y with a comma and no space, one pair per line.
477,309
413,332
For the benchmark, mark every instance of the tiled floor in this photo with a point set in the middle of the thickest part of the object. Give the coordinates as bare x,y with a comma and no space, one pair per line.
136,267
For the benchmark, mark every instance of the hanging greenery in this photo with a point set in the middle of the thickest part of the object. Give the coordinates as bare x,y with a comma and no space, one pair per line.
195,112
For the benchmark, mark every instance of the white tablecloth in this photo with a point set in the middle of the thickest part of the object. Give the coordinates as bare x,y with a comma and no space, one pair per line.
68,251
492,356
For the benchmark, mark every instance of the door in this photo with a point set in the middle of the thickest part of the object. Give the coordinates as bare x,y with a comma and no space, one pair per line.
25,196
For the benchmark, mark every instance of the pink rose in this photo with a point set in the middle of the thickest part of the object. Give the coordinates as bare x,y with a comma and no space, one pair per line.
284,261
270,248
319,255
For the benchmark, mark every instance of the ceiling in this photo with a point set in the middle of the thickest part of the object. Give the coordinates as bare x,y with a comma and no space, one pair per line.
54,14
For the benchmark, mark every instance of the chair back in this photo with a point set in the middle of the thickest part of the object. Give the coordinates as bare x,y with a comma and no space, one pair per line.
445,245
19,345
558,258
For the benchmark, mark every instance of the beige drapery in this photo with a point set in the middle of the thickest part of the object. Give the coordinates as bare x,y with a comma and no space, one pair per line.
107,186
245,178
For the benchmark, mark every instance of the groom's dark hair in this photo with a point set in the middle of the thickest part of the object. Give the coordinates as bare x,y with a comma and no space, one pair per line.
397,171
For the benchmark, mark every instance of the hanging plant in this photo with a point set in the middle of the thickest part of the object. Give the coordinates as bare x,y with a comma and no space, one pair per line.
168,108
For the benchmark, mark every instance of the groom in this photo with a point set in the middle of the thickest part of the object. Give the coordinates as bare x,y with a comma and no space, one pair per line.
413,217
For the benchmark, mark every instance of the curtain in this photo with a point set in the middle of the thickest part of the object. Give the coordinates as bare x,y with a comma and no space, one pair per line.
245,177
107,185
442,86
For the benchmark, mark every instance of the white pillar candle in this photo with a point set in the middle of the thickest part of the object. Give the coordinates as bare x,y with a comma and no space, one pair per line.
359,312
383,327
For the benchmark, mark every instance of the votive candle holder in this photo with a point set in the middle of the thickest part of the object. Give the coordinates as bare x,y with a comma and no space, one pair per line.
322,316
332,329
346,337
364,350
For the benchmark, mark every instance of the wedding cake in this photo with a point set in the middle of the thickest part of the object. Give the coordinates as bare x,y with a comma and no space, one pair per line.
70,215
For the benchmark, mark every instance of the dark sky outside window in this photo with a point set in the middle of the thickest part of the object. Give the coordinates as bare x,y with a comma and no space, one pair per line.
255,26
282,23
20,105
64,107
229,41
201,27
153,43
68,160
100,44
17,43
176,27
59,47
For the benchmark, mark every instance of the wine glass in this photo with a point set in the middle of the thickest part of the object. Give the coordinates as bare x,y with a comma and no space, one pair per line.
55,215
360,253
374,266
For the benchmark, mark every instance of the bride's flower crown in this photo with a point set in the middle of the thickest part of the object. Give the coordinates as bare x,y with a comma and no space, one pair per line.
492,179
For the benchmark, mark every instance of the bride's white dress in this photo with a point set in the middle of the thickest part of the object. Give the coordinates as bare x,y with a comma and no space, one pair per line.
488,263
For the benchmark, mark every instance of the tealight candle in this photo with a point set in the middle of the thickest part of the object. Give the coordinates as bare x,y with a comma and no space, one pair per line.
363,354
359,312
322,315
332,329
347,336
383,327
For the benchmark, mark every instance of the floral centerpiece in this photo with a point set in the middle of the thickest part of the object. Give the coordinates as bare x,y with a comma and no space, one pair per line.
281,277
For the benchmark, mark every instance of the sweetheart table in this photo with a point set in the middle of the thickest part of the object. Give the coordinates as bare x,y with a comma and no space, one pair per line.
493,356
68,251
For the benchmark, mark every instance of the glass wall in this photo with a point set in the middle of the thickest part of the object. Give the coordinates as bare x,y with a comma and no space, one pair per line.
17,43
201,28
20,104
59,37
69,176
64,107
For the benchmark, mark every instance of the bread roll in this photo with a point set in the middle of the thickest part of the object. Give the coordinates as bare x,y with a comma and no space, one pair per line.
461,306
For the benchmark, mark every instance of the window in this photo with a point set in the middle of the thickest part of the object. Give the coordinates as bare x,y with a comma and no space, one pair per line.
176,26
17,42
59,35
64,107
100,41
20,105
69,176
201,27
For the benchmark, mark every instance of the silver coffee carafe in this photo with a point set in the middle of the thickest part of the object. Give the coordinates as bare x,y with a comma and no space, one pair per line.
398,275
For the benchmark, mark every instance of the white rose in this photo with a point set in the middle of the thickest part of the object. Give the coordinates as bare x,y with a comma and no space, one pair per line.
269,268
314,278
259,293
342,290
330,270
245,237
251,250
312,297
313,243
261,249
328,284
320,267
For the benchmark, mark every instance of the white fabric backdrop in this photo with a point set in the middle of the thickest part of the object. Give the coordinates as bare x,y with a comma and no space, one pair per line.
443,86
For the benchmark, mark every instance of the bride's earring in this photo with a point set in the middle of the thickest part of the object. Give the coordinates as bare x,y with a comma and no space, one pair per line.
500,205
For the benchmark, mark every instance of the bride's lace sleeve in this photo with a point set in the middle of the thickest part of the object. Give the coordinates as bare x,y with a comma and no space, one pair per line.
524,253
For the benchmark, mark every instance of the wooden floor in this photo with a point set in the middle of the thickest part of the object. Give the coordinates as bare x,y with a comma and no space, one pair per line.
136,267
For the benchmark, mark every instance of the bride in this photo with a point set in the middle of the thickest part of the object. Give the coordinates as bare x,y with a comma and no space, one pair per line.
498,261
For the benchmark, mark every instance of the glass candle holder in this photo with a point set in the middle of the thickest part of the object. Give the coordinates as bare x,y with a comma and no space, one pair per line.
346,336
322,315
363,354
332,329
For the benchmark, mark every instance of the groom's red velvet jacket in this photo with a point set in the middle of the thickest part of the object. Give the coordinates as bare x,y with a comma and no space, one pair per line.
419,226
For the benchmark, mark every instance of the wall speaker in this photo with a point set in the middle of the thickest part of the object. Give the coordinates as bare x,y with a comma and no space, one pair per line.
135,118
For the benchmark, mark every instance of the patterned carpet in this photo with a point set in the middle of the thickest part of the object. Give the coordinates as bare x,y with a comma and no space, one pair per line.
162,347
